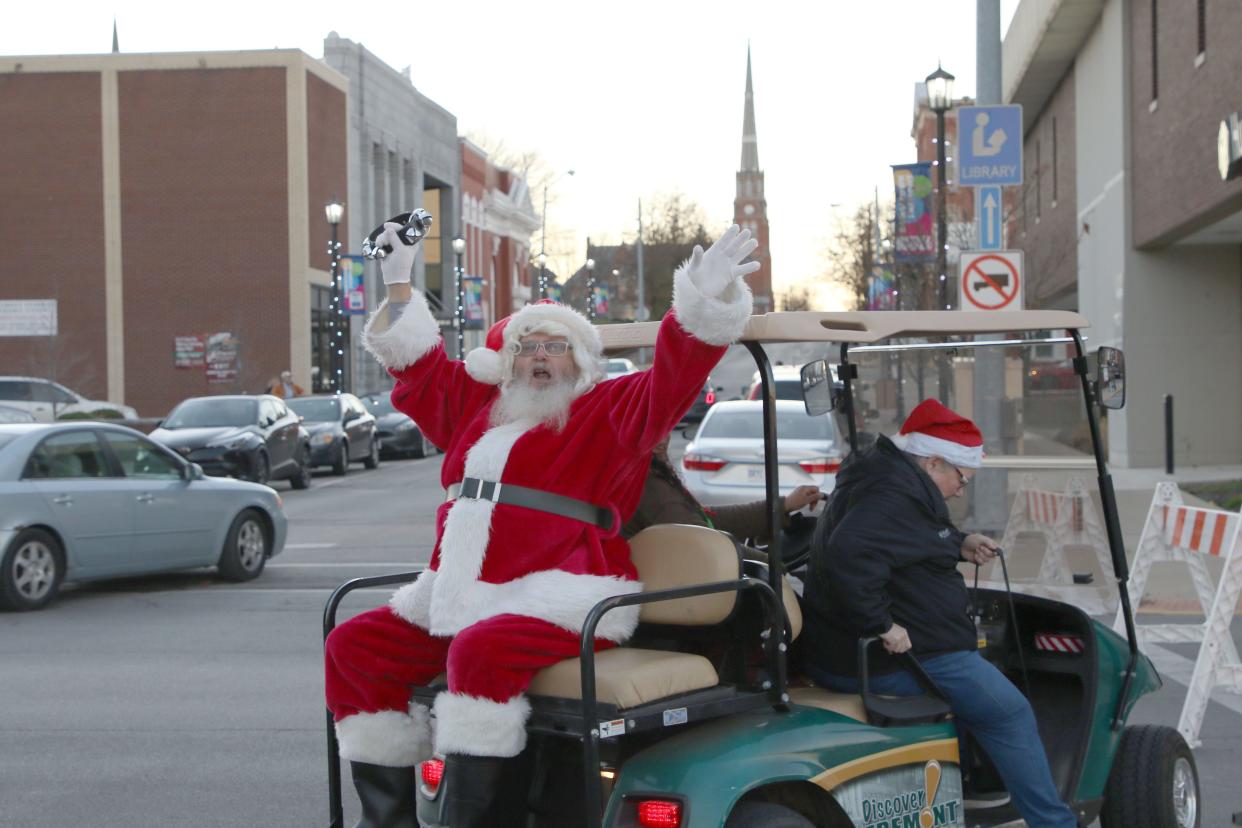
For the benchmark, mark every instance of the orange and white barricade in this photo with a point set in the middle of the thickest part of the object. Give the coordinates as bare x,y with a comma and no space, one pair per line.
1064,519
1176,532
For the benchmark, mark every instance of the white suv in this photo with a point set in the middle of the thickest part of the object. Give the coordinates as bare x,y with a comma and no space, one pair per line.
46,400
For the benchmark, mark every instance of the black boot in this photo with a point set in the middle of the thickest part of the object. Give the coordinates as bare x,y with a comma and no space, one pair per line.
470,785
386,794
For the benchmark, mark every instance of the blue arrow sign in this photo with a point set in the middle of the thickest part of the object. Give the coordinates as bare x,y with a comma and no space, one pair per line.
989,210
989,145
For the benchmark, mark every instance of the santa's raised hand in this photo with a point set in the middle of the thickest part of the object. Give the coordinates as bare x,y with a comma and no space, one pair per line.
722,264
395,266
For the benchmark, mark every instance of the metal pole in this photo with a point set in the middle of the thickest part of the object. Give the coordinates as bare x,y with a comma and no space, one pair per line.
1168,433
460,314
941,219
641,313
338,345
543,247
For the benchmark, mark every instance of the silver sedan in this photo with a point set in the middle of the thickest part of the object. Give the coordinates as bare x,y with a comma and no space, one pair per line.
84,501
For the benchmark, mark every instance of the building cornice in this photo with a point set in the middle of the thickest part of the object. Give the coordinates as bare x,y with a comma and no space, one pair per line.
1043,40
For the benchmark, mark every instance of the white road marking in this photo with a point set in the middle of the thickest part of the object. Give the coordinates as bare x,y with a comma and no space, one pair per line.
310,545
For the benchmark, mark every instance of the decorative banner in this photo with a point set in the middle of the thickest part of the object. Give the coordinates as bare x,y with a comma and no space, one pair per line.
221,357
915,240
882,291
28,317
189,351
352,270
553,291
600,298
472,287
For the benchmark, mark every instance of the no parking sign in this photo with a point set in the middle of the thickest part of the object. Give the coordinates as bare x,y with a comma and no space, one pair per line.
991,280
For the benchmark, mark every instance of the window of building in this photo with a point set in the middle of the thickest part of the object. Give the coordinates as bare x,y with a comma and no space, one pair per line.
1202,27
1155,64
321,339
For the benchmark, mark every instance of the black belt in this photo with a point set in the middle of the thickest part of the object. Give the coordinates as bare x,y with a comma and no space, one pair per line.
512,495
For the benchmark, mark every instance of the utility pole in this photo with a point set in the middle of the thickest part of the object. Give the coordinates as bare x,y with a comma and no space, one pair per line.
640,314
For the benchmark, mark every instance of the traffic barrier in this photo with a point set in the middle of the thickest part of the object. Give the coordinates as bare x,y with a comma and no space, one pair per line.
1189,534
1064,519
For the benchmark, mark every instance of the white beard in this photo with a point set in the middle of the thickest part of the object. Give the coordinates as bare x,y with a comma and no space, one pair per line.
521,401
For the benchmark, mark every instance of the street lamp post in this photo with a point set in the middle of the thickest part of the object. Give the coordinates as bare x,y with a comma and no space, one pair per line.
459,313
543,237
590,291
940,100
334,211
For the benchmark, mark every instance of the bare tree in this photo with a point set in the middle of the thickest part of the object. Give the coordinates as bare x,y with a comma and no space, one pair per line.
796,299
673,224
852,255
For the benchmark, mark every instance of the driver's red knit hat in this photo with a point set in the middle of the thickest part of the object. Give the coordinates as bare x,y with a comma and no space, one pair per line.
935,430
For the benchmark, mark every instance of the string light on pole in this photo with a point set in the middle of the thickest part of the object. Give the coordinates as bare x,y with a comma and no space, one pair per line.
459,313
334,211
590,269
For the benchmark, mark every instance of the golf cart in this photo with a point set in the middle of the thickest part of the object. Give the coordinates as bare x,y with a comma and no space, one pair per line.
699,721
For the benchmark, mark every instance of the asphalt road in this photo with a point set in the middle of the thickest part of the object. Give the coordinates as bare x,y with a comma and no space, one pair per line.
182,700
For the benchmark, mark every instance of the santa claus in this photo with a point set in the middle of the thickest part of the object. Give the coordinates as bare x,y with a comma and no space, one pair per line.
543,462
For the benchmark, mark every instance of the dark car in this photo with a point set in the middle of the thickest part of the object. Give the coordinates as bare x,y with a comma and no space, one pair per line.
399,436
705,400
341,429
252,437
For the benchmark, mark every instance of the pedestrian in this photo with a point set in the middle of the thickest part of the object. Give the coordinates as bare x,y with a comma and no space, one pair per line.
285,387
886,565
544,460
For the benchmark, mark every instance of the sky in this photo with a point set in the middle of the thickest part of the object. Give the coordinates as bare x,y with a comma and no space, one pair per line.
640,99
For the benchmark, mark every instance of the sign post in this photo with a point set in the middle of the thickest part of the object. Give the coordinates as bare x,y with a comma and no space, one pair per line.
991,280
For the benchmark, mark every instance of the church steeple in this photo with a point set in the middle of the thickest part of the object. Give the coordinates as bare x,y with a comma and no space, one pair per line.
750,208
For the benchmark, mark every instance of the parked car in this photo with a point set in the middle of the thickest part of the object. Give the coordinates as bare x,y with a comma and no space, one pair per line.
47,401
83,501
341,430
705,400
252,437
9,414
399,436
788,379
618,367
724,462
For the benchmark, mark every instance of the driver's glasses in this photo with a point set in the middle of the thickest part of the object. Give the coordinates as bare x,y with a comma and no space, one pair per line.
553,348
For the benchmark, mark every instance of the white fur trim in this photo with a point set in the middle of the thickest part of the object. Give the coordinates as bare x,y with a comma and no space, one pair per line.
398,343
413,601
716,320
480,727
486,366
924,445
390,738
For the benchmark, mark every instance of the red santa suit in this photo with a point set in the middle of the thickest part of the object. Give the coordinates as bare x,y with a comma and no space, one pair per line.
509,587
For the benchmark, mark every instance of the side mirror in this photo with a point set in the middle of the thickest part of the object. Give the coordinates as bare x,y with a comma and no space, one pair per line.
193,471
350,416
1110,381
818,394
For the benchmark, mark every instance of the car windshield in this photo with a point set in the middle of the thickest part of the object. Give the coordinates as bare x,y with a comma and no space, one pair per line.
213,413
379,406
317,411
748,425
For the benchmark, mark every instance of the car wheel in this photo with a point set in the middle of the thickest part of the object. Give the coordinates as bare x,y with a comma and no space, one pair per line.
302,477
373,459
262,468
341,464
1154,782
245,548
425,448
766,815
32,570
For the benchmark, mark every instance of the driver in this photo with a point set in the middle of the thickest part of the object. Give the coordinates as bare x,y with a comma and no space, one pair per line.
886,565
542,460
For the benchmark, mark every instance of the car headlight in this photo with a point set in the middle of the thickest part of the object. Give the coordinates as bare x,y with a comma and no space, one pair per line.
406,425
324,439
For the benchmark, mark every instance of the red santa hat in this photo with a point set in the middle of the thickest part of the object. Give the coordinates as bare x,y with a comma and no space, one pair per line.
493,364
935,430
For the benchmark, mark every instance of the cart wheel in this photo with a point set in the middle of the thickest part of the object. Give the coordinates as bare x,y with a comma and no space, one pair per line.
1153,783
766,815
245,548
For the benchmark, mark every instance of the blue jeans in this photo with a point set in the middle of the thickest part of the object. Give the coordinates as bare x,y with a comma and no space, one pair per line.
996,714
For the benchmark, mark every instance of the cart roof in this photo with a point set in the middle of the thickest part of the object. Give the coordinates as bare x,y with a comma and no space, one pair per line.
862,327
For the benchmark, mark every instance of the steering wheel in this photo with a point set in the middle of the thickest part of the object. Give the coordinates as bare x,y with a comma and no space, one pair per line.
796,541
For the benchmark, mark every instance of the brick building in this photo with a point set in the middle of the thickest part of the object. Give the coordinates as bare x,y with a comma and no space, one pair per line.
168,195
1125,211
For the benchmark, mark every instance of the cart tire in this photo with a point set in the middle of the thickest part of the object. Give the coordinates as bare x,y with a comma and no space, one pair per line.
31,570
766,815
245,548
1154,782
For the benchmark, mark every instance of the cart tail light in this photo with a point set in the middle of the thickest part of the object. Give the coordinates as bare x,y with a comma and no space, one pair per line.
821,465
702,462
659,813
710,399
432,771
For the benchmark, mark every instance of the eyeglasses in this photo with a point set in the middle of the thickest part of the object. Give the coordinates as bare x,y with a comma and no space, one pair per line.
960,474
553,348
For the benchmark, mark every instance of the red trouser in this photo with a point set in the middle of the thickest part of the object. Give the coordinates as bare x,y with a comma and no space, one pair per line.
372,661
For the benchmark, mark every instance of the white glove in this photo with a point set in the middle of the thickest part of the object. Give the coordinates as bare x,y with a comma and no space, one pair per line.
714,271
396,266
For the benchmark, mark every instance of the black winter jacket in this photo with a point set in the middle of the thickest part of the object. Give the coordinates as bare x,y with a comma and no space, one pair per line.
886,551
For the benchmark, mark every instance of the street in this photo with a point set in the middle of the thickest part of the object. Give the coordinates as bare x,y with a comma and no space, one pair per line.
184,700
